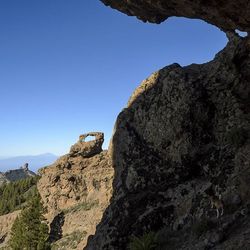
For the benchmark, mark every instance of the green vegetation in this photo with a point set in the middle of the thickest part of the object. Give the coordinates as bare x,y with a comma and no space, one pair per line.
29,231
81,206
69,241
14,195
147,241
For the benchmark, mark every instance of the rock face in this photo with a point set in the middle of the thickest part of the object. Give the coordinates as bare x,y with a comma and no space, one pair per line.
16,174
226,14
6,222
184,135
76,190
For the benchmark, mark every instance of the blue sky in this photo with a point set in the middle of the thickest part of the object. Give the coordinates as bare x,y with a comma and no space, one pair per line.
69,67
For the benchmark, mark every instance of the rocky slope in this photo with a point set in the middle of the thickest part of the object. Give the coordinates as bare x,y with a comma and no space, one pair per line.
184,137
16,174
226,14
76,190
6,222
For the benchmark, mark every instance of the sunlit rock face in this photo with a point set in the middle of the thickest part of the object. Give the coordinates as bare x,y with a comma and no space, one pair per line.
226,14
75,191
6,222
184,133
90,148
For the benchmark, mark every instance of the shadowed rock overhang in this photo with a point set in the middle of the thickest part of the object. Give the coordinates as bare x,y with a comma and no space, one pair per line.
228,15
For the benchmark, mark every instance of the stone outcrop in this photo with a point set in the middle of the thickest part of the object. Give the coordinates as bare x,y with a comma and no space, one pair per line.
6,222
16,174
90,148
184,134
226,14
75,191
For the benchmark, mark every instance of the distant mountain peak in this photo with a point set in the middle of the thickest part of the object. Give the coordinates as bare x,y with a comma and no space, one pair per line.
16,174
35,161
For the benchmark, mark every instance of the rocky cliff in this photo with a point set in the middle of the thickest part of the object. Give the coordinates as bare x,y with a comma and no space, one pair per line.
16,174
6,222
182,141
76,190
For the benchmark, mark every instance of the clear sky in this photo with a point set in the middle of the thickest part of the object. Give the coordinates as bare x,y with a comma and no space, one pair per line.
69,67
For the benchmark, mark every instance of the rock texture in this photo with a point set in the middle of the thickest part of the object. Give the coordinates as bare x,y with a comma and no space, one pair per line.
184,135
226,14
6,222
76,190
16,174
88,149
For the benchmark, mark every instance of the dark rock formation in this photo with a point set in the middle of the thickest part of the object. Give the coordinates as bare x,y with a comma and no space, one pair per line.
25,167
184,136
226,14
186,130
87,149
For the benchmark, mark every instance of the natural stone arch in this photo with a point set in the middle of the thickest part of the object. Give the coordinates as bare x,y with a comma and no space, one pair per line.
90,148
194,109
97,135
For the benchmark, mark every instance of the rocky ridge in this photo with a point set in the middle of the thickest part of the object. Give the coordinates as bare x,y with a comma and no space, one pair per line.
16,174
75,191
6,222
184,136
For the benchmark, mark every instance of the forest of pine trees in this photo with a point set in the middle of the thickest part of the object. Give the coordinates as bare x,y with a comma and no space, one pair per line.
29,231
14,195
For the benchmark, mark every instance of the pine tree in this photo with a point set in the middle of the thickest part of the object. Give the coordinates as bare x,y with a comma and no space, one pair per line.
29,231
15,194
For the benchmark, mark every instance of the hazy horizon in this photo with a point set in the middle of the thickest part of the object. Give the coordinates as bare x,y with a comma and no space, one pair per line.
68,68
13,156
35,161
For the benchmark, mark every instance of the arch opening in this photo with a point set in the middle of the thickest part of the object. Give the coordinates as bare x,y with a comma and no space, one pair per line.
241,33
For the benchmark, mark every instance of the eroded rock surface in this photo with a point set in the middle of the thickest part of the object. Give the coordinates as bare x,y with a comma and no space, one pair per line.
185,131
76,190
226,14
6,222
90,148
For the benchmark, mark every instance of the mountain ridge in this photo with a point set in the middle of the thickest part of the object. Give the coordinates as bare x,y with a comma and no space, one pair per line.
35,161
16,174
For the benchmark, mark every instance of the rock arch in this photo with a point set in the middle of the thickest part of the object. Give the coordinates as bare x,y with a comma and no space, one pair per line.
197,110
228,15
